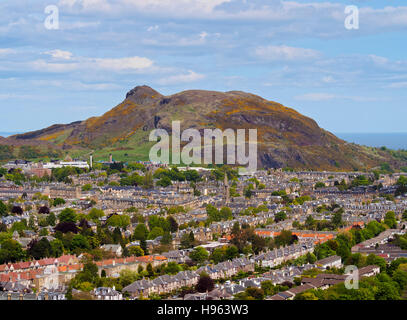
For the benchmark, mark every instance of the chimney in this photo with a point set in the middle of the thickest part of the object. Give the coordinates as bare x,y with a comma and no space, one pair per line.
91,161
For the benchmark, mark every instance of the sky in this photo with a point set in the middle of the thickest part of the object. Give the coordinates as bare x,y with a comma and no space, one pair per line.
298,53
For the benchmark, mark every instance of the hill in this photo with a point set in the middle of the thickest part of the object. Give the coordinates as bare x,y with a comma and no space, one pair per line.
286,138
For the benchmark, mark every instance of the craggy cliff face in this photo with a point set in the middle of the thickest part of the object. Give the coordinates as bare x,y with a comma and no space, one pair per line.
285,137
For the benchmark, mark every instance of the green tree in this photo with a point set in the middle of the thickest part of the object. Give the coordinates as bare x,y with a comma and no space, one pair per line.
87,187
11,251
280,216
173,224
3,209
40,249
140,232
199,255
390,220
67,215
337,219
136,251
155,232
51,219
172,268
231,252
386,291
95,214
57,248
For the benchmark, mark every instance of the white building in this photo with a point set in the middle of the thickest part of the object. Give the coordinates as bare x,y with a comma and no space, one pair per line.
61,164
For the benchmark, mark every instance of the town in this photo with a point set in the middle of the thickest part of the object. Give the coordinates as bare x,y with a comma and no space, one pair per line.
85,230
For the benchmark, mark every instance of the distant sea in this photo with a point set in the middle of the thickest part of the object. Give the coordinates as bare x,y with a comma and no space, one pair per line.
394,141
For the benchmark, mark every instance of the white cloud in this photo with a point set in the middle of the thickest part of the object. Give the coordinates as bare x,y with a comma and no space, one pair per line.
328,79
191,76
319,96
6,51
127,64
184,8
378,60
316,97
286,53
78,25
153,28
203,35
60,54
45,66
123,64
398,85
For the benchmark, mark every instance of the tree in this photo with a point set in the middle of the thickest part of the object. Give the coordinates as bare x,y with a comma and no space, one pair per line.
225,213
310,222
164,182
319,185
280,216
231,252
256,293
3,209
51,219
390,220
79,242
67,215
218,255
311,258
87,187
57,248
143,245
185,241
43,210
167,238
39,249
11,251
400,277
173,224
376,260
258,243
136,251
155,232
150,270
236,229
307,295
386,291
66,227
148,182
127,277
3,227
199,255
337,219
205,283
172,268
402,186
17,210
95,214
140,232
58,201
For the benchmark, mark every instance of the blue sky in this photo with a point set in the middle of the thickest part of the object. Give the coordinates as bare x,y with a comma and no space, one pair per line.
294,52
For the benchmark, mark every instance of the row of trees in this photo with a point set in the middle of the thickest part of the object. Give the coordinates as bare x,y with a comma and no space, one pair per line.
388,285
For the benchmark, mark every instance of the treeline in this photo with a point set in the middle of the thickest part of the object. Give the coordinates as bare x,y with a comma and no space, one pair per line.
390,284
